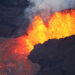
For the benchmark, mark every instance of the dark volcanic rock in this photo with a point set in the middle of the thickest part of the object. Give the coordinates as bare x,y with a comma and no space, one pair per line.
56,57
12,17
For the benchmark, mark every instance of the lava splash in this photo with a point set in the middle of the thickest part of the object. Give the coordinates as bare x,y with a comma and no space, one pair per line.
14,51
59,25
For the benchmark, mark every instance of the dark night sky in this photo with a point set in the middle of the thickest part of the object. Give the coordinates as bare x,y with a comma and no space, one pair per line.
12,16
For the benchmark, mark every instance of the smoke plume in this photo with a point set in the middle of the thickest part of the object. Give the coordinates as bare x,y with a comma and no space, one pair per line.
45,7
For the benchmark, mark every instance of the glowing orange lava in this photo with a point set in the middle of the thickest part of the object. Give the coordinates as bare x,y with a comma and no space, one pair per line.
59,25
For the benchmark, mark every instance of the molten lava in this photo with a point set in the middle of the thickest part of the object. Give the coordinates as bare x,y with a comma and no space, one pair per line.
59,25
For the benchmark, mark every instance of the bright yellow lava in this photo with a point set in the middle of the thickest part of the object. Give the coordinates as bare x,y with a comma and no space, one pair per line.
59,25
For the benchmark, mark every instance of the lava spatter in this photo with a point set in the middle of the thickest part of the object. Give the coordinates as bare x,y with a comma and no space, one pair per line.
59,25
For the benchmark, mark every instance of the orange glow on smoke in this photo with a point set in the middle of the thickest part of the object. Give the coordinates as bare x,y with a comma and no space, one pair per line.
59,25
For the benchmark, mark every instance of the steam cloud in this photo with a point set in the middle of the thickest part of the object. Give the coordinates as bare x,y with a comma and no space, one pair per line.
45,6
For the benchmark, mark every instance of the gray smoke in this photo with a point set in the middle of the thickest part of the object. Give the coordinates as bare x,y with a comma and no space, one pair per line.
44,7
